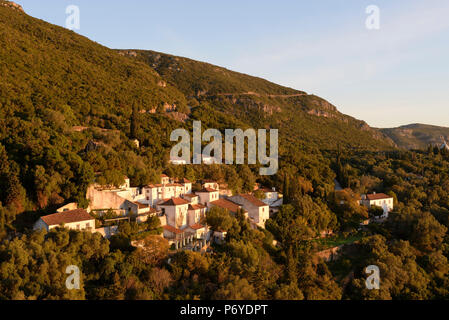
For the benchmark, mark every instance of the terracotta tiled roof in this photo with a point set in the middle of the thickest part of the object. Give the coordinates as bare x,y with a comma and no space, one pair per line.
196,226
151,186
164,176
208,190
196,206
173,229
174,202
143,205
226,204
378,196
72,216
190,195
184,181
174,185
253,200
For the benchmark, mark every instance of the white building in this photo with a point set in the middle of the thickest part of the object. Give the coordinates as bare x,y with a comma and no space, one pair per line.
208,195
176,211
154,193
210,160
187,185
258,211
192,198
165,179
271,195
127,183
210,184
77,219
183,219
232,207
178,161
380,200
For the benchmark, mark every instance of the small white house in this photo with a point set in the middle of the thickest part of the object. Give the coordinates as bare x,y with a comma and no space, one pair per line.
176,211
208,195
381,200
165,179
127,183
210,184
258,211
77,219
271,195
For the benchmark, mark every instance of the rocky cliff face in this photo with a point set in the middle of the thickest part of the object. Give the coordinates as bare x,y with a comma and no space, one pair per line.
12,5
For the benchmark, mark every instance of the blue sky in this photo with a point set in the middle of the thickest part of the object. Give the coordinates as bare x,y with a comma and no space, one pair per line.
393,76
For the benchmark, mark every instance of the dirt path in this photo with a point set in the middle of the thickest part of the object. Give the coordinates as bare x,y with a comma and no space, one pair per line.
257,95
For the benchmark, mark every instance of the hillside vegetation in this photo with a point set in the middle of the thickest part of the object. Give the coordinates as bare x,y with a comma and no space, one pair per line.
301,118
70,111
54,80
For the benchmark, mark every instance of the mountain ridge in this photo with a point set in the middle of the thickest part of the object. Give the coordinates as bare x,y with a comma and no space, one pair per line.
417,135
235,91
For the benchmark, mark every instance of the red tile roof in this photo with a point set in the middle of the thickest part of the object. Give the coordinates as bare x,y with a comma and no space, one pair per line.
174,202
226,204
253,200
208,190
190,195
166,185
173,229
141,205
72,216
196,226
378,196
196,206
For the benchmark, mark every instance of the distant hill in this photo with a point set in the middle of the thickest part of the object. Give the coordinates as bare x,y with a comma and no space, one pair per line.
417,136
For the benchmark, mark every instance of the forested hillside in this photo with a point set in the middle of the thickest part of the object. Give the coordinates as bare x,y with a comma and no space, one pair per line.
59,91
302,118
70,111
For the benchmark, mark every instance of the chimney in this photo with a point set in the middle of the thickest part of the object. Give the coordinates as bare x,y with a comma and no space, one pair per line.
274,189
374,192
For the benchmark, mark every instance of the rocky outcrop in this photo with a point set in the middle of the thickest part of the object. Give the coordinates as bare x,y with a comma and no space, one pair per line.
129,53
12,5
330,254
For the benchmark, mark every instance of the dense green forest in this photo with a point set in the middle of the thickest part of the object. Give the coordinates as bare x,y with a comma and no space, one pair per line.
61,93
